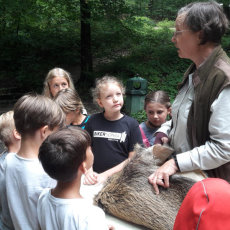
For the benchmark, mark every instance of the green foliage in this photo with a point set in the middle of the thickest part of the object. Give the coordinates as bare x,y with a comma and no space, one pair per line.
139,25
151,54
166,23
128,37
26,58
140,116
226,43
36,36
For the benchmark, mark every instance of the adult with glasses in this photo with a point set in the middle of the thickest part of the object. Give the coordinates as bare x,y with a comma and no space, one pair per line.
200,127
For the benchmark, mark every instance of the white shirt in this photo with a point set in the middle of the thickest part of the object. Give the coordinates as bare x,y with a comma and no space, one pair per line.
5,219
25,179
214,152
66,214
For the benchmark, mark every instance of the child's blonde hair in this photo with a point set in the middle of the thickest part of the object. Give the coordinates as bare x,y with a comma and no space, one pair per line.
32,111
69,100
100,82
159,96
7,127
56,72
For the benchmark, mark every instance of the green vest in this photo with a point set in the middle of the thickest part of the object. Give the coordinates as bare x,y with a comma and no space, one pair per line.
209,80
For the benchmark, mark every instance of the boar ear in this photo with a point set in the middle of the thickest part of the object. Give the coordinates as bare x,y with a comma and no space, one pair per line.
161,153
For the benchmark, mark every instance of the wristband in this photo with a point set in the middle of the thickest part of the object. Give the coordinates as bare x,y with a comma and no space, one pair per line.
176,162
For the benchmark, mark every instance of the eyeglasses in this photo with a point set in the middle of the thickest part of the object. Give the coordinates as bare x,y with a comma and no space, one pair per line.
177,32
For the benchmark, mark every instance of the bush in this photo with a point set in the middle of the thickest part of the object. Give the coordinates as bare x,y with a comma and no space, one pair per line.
151,55
25,59
140,116
166,23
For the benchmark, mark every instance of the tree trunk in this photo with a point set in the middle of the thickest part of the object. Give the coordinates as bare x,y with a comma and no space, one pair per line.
86,55
150,7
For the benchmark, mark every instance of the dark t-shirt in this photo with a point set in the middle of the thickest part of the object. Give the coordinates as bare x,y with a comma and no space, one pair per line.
112,140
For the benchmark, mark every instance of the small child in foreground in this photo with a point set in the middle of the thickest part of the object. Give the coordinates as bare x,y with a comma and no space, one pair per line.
71,104
12,140
157,107
65,156
35,118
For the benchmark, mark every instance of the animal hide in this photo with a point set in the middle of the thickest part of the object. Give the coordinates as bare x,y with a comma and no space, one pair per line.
129,196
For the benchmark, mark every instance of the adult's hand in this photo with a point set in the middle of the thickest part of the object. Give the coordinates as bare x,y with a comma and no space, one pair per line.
162,174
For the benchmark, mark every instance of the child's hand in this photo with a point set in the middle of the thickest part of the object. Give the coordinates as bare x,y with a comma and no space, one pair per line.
102,177
165,140
90,177
111,227
160,138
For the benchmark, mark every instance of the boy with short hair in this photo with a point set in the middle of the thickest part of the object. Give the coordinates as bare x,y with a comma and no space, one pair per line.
35,118
12,140
63,208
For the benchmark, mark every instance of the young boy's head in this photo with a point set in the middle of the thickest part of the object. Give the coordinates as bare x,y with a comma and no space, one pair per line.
8,133
32,112
66,151
70,102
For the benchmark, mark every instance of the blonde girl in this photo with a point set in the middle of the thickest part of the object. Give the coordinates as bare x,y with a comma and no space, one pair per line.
56,80
113,133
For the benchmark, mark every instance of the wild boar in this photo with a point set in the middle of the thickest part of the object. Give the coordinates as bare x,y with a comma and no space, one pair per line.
129,196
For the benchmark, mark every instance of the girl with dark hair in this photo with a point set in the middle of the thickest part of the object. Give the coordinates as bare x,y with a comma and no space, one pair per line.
157,107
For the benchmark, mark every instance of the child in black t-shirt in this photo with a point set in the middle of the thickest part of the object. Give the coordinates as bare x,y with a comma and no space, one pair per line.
113,133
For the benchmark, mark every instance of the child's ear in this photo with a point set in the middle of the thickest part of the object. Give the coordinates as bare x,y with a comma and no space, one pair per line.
16,134
99,103
169,111
83,167
45,131
77,111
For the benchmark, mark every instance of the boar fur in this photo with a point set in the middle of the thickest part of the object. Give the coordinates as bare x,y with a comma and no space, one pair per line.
129,196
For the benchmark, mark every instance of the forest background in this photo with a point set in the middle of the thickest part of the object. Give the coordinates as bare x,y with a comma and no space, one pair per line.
90,38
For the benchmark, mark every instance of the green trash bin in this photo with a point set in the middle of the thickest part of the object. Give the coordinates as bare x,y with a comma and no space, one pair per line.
136,89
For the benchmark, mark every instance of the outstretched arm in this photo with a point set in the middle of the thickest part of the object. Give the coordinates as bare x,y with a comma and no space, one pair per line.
162,133
92,177
103,176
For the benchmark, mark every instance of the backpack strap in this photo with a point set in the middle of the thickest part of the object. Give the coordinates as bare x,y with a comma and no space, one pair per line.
87,118
145,139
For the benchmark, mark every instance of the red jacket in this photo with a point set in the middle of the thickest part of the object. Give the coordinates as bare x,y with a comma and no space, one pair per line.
205,207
